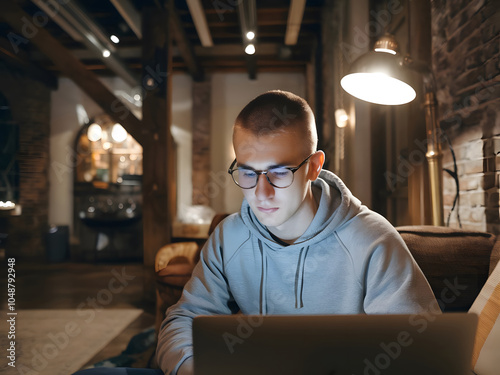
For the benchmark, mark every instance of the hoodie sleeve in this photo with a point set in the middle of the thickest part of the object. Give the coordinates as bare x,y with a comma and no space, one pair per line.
206,293
393,282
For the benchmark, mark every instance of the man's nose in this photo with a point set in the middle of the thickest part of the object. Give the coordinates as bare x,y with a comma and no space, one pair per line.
264,190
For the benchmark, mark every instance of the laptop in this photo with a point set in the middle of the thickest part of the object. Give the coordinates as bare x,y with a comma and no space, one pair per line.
334,344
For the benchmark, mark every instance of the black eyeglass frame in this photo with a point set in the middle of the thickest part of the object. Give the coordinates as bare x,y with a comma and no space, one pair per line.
292,169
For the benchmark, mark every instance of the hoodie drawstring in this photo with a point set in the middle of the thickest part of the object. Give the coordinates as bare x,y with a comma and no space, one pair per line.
263,281
299,278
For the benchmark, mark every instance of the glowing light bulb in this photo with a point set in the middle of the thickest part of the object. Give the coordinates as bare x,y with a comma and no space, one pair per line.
118,133
94,132
250,49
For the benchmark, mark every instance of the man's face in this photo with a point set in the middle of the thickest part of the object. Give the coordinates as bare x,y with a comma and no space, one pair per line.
274,207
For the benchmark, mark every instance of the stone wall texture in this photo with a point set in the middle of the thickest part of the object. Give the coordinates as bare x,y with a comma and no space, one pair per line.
466,63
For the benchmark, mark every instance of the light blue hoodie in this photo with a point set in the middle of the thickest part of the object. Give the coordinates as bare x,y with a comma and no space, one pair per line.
350,260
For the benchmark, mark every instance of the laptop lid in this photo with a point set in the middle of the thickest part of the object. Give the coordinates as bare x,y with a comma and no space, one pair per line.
334,344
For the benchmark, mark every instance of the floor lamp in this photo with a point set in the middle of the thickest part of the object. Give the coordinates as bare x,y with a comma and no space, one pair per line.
381,76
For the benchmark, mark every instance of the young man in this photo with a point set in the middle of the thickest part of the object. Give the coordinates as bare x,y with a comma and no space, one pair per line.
301,244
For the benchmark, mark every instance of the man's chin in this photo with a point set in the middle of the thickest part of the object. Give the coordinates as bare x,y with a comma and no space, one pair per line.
269,222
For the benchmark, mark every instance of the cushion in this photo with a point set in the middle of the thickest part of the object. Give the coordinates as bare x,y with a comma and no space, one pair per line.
175,274
455,262
485,357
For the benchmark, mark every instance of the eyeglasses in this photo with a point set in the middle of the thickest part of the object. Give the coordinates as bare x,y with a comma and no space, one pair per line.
280,177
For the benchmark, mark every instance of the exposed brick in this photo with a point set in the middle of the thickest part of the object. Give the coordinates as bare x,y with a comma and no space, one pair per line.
448,200
493,228
473,166
484,181
201,142
497,163
491,17
492,49
492,198
474,149
30,109
473,198
478,215
479,227
492,216
480,198
469,183
456,6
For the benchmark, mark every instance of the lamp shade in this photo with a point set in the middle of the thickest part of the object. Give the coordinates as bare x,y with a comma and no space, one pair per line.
379,77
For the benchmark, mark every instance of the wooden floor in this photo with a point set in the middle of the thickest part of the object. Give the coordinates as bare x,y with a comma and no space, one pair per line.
69,285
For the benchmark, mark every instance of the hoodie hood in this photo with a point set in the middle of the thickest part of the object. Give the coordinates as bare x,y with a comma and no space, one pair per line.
336,206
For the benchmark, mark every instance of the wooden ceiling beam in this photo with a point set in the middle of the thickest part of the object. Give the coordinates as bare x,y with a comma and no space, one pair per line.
185,48
130,15
200,22
294,21
20,61
72,68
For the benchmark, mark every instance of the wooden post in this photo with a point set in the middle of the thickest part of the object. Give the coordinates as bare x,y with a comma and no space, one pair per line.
158,157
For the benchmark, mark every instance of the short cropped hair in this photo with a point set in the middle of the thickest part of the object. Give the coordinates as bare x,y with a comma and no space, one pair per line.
279,111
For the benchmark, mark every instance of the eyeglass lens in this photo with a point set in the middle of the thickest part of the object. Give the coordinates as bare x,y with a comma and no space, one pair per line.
247,178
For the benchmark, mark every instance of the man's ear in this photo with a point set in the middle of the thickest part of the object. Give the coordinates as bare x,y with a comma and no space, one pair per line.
315,164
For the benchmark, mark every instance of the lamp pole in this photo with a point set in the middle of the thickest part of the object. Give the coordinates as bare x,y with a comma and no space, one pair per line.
433,154
434,158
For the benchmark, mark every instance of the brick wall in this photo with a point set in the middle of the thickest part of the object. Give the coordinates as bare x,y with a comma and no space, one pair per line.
465,48
201,141
30,105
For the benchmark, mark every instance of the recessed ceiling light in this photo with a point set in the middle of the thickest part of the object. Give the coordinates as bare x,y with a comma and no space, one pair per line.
250,35
250,49
106,53
114,39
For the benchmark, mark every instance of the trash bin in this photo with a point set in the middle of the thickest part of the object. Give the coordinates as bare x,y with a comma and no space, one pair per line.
58,243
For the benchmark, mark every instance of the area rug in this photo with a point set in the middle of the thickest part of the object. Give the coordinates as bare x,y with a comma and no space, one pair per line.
58,342
138,354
